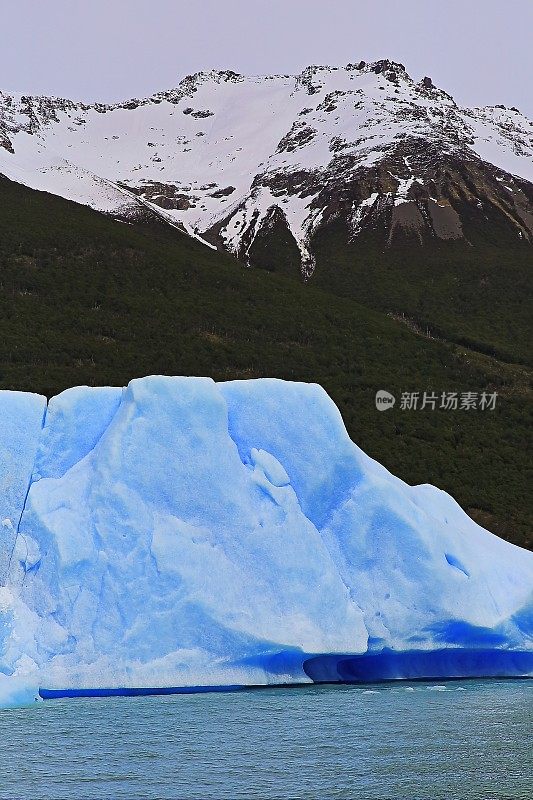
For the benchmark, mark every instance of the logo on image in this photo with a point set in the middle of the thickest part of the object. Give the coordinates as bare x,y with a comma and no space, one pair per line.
384,400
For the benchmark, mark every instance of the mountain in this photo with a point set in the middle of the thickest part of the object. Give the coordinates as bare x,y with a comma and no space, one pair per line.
390,231
358,179
234,158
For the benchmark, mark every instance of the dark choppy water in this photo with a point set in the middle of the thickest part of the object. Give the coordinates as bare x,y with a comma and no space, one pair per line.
470,739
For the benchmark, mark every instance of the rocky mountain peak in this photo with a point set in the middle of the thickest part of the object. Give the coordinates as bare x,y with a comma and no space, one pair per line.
230,158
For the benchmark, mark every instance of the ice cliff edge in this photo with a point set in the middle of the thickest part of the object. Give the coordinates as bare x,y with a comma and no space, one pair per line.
185,533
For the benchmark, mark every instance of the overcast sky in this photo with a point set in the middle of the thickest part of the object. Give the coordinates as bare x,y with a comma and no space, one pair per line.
479,50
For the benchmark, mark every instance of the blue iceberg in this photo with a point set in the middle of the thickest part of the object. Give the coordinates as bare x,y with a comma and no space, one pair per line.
183,533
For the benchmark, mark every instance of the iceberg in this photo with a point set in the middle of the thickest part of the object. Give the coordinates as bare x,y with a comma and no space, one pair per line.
181,533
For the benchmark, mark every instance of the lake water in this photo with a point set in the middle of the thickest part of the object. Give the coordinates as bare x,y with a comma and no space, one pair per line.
462,739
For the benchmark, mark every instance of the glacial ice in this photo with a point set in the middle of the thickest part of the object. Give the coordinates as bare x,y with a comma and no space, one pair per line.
21,419
185,533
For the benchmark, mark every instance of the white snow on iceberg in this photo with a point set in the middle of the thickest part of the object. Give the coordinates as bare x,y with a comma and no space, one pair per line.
185,533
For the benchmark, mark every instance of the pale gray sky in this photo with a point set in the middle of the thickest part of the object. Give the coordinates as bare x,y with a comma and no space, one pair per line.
481,51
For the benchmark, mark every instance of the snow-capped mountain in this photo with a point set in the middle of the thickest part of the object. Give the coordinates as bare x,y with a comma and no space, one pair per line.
235,160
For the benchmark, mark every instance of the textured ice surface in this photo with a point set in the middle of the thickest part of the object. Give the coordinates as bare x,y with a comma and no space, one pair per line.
21,418
180,532
75,421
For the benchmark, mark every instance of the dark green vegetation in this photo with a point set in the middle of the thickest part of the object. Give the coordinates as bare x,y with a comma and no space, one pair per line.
478,294
84,299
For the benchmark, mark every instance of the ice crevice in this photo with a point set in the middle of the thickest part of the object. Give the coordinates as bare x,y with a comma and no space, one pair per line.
22,419
25,501
183,533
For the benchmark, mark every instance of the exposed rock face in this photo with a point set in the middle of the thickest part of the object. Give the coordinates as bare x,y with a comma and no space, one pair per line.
237,160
